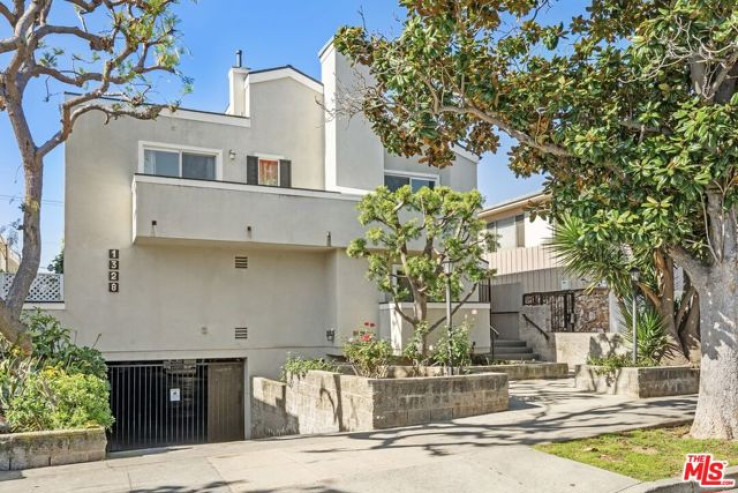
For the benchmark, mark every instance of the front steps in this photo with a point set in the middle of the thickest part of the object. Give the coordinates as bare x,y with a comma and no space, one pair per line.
513,350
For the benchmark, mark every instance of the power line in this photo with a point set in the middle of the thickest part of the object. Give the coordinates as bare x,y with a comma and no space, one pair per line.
45,201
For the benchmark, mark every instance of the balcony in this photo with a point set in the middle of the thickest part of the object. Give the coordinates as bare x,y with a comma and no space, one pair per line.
46,288
184,210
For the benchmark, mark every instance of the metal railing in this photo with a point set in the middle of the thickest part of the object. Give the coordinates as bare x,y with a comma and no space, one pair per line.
45,288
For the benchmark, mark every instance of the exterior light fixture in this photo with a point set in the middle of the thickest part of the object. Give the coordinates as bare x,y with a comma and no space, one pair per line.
232,155
635,276
330,335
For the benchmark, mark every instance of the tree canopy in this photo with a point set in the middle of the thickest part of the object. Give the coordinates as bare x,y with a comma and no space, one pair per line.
629,109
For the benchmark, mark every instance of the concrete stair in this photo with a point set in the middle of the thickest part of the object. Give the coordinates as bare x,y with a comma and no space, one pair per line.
513,349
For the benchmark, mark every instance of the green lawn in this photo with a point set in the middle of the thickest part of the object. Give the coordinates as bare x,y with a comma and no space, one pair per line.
646,455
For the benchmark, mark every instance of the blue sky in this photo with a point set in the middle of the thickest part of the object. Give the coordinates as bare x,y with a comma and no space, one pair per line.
270,34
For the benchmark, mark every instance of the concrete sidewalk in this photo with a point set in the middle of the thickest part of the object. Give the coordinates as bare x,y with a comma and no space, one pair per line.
482,453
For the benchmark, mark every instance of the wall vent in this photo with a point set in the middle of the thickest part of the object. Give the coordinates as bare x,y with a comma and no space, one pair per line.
242,262
241,332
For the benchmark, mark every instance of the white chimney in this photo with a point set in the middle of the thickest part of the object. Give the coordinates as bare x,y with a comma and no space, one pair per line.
238,90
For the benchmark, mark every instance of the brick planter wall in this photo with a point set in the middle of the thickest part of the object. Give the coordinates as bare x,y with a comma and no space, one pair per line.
324,402
641,383
50,448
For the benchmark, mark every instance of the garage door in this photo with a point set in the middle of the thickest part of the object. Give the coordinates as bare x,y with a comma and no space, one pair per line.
175,402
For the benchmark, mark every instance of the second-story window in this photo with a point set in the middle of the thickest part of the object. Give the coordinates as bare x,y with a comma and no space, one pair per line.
272,171
393,182
179,164
269,172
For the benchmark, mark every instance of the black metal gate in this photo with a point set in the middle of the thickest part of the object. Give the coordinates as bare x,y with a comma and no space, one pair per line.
562,303
177,402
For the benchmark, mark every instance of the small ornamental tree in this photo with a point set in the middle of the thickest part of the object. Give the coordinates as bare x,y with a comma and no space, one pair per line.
410,239
106,55
630,109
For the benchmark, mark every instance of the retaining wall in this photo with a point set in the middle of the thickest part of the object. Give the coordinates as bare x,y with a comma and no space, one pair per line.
50,448
640,383
325,402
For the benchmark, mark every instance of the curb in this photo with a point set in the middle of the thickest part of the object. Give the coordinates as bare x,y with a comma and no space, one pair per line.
679,486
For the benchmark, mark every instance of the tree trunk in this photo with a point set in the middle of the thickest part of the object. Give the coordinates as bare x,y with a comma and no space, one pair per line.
421,313
717,406
674,354
689,330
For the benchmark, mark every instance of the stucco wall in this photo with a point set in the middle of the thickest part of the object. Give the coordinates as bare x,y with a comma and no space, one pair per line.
573,348
399,332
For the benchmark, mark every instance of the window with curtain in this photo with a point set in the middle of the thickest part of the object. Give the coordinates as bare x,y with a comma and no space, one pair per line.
269,172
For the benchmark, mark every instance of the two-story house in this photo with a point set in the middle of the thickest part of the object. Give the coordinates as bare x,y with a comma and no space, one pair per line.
201,248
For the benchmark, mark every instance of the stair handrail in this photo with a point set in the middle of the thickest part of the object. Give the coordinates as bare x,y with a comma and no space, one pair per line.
492,333
543,332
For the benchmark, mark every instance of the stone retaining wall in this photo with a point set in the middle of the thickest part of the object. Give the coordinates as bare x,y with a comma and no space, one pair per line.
50,448
529,371
325,402
641,383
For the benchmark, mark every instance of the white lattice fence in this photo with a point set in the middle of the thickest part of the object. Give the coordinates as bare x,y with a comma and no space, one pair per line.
46,288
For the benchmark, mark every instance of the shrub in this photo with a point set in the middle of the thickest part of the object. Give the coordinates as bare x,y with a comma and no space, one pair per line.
53,399
59,386
299,366
368,355
460,348
609,364
52,346
651,332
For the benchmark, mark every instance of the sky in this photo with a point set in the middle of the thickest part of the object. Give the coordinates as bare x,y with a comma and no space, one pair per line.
271,34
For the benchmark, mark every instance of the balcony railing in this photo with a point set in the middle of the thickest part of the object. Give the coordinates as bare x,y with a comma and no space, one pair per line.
46,288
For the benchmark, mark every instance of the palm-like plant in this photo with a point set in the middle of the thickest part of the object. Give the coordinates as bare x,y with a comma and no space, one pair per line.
594,260
650,329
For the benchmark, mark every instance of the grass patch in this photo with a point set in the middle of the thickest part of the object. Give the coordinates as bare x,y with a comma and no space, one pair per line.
646,455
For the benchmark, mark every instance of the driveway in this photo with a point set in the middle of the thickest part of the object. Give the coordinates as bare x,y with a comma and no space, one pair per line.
482,453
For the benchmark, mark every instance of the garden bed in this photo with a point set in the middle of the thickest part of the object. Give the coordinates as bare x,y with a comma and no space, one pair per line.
50,448
646,455
326,402
641,382
524,371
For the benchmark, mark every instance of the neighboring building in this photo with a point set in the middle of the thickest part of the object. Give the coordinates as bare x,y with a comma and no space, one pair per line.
9,258
202,248
528,272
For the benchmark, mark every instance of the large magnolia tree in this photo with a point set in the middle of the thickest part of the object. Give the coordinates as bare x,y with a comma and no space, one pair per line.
107,54
630,109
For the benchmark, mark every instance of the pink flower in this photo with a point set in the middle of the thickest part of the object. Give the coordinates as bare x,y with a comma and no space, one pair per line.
366,337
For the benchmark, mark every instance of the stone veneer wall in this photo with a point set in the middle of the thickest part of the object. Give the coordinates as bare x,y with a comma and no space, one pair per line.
325,402
50,448
592,310
660,381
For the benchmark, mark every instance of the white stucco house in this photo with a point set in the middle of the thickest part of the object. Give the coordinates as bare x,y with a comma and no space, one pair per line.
202,248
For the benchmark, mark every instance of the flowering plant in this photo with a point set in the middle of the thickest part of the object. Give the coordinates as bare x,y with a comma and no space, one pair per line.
367,354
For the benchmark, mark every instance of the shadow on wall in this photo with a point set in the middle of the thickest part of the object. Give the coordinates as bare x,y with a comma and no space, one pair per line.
269,414
602,346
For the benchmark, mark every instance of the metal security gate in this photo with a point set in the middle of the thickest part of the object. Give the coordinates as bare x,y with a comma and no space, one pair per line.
177,402
562,304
